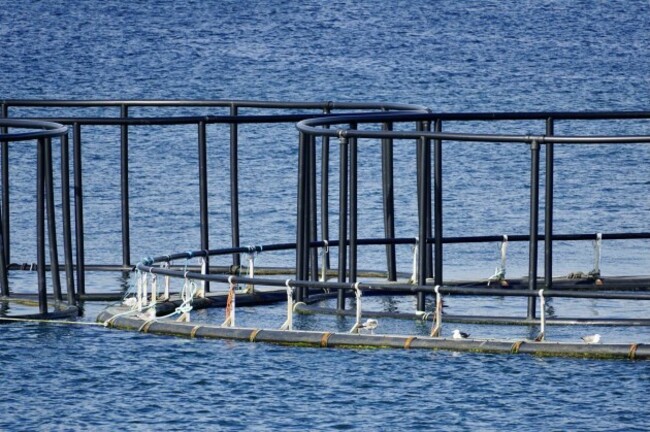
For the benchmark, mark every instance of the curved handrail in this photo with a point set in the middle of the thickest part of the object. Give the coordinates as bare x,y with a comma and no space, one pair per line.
45,129
315,126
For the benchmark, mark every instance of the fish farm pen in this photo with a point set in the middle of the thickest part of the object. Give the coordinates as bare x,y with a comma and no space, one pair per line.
321,271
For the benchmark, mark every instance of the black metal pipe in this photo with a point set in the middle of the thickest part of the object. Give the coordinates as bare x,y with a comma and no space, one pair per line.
437,206
300,213
388,188
203,191
424,193
534,222
324,194
313,211
5,190
429,221
354,211
67,218
124,185
51,220
343,218
78,205
548,208
234,184
40,226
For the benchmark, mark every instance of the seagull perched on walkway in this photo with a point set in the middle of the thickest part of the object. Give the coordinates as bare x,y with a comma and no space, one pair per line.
370,324
591,339
459,335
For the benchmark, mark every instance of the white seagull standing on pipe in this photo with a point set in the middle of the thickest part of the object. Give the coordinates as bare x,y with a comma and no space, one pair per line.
591,339
459,335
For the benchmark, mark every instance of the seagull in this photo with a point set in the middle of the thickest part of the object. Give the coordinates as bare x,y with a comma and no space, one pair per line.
370,324
459,334
591,339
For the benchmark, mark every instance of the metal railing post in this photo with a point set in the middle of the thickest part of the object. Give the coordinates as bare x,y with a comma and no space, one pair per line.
437,206
67,218
343,218
234,184
78,205
203,193
548,209
5,190
124,185
388,200
534,222
40,226
51,219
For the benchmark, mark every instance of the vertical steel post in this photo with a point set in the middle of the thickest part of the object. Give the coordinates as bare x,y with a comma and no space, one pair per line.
4,282
343,218
51,220
67,218
40,225
534,222
388,200
124,185
429,221
300,207
548,209
5,190
424,193
324,191
313,211
4,209
203,194
79,211
354,215
437,205
234,184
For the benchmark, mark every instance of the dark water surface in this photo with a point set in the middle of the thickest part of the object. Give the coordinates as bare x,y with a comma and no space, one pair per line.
450,56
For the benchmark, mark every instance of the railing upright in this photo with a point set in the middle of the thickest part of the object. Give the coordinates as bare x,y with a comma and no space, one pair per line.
79,212
67,218
388,187
51,221
324,194
203,191
548,208
437,206
534,222
234,183
124,185
354,208
313,212
343,218
5,194
40,226
424,199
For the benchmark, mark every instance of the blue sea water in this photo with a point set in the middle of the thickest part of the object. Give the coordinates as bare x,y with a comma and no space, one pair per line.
450,56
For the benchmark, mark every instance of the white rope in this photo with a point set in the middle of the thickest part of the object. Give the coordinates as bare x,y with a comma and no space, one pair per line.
230,304
437,323
414,276
166,265
542,316
325,252
204,271
500,271
288,324
357,324
597,251
154,287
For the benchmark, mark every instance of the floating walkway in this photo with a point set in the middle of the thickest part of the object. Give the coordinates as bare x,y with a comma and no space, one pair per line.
114,317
